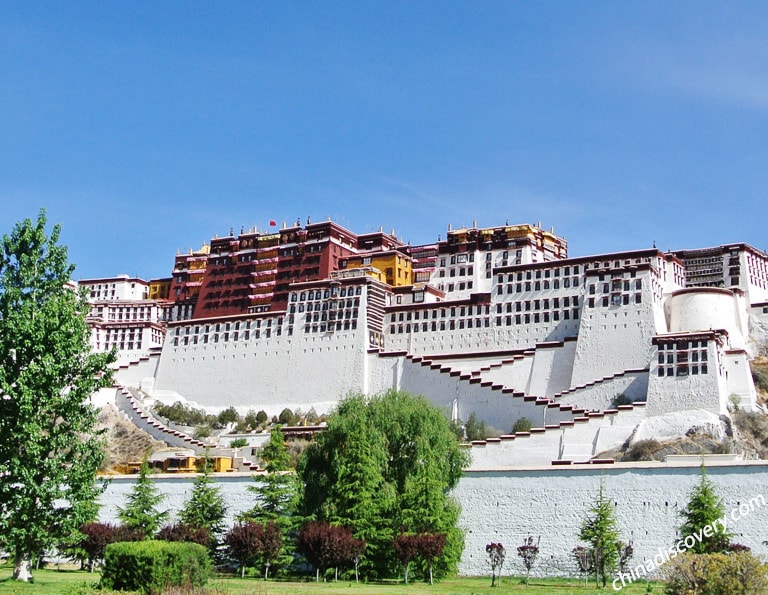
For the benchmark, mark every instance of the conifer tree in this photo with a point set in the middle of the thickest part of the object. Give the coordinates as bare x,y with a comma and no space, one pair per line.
49,447
141,513
704,509
601,531
277,494
205,508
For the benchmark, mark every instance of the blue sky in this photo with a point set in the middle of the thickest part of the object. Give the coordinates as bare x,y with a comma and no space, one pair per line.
148,127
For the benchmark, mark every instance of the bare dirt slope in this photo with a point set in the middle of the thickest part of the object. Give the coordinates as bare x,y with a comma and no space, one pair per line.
125,442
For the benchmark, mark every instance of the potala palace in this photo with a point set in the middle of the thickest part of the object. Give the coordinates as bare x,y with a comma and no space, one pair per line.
498,321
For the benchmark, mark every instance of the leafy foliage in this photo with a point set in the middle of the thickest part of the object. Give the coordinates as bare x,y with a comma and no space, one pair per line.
430,546
140,512
287,417
50,451
522,424
715,574
238,443
385,464
529,553
314,542
95,537
405,551
703,509
475,429
496,556
600,530
252,543
151,566
326,546
185,533
277,494
205,508
185,415
229,415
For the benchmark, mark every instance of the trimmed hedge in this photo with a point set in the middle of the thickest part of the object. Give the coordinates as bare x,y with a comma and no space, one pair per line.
151,566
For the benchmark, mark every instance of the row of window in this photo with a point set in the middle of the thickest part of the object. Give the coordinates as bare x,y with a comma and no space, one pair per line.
541,304
321,294
537,285
330,327
435,313
229,326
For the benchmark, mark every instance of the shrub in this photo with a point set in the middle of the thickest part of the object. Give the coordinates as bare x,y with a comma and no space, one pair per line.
181,532
715,574
760,378
522,425
238,443
620,399
151,566
643,450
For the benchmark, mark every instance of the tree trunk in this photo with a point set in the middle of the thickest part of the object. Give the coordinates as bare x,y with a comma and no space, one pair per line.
493,577
317,574
21,568
266,571
242,572
406,574
430,575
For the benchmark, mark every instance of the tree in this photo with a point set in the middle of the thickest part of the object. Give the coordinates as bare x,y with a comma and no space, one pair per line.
475,429
96,537
344,548
529,552
496,556
277,494
205,508
600,530
141,510
229,415
704,509
250,543
287,417
50,450
314,542
405,551
384,464
585,560
430,546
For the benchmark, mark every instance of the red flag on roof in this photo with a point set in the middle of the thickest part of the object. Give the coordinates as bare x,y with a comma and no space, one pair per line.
272,222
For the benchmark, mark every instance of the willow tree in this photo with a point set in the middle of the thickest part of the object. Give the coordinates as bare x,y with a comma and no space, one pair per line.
386,465
50,451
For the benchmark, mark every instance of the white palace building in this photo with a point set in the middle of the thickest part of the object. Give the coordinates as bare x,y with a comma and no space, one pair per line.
594,350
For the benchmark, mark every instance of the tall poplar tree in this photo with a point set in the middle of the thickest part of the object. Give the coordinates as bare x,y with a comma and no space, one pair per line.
49,451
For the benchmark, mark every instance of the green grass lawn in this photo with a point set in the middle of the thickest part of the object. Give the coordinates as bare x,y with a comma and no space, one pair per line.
67,581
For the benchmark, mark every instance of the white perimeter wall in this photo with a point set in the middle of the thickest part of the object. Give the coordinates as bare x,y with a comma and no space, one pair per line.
301,371
506,505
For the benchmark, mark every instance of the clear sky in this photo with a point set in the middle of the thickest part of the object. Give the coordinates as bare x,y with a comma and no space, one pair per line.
149,127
